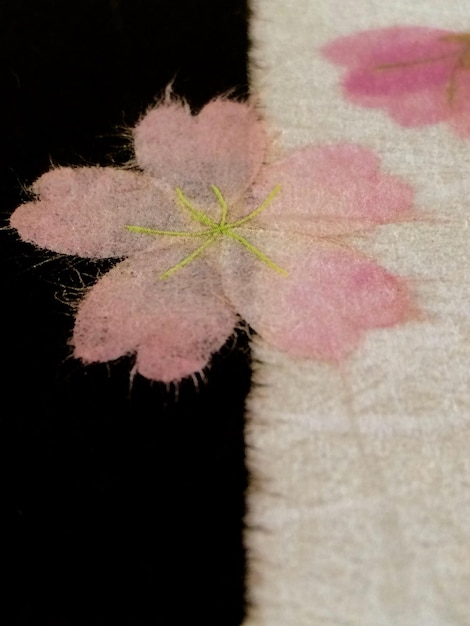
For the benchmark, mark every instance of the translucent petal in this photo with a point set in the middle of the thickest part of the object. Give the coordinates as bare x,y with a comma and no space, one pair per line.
331,296
331,190
84,211
224,145
173,325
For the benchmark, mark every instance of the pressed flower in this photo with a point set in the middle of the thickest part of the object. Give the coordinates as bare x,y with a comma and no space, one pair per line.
418,75
208,233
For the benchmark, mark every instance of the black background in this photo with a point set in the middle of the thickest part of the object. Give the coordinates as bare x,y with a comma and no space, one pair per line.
120,504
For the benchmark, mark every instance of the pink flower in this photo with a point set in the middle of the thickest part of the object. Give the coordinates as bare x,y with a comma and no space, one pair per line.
418,75
207,230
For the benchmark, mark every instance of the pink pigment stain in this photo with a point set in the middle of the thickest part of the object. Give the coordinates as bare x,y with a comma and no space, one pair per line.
420,76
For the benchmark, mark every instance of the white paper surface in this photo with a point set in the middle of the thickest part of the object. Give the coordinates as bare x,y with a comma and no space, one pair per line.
359,509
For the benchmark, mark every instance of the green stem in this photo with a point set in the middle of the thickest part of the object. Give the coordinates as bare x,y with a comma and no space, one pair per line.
257,211
173,233
223,204
257,253
198,215
187,259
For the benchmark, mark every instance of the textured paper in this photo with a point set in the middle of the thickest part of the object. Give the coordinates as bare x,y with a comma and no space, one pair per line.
359,506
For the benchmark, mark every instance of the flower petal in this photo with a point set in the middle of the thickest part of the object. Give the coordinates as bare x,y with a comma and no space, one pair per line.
84,211
331,296
460,104
401,49
408,71
174,325
224,145
331,190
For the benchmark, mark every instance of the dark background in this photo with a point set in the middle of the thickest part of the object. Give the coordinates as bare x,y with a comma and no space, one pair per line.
120,504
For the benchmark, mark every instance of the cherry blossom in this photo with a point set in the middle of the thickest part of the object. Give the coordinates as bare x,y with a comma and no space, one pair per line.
208,231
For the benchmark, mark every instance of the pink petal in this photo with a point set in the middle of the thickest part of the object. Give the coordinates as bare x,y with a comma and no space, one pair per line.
223,145
174,325
460,105
396,44
331,190
331,297
413,109
407,71
84,211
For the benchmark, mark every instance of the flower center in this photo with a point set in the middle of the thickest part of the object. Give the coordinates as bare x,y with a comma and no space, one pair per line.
213,230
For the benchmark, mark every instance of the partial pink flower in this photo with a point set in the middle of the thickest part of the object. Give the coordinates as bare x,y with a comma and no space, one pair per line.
207,232
418,75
